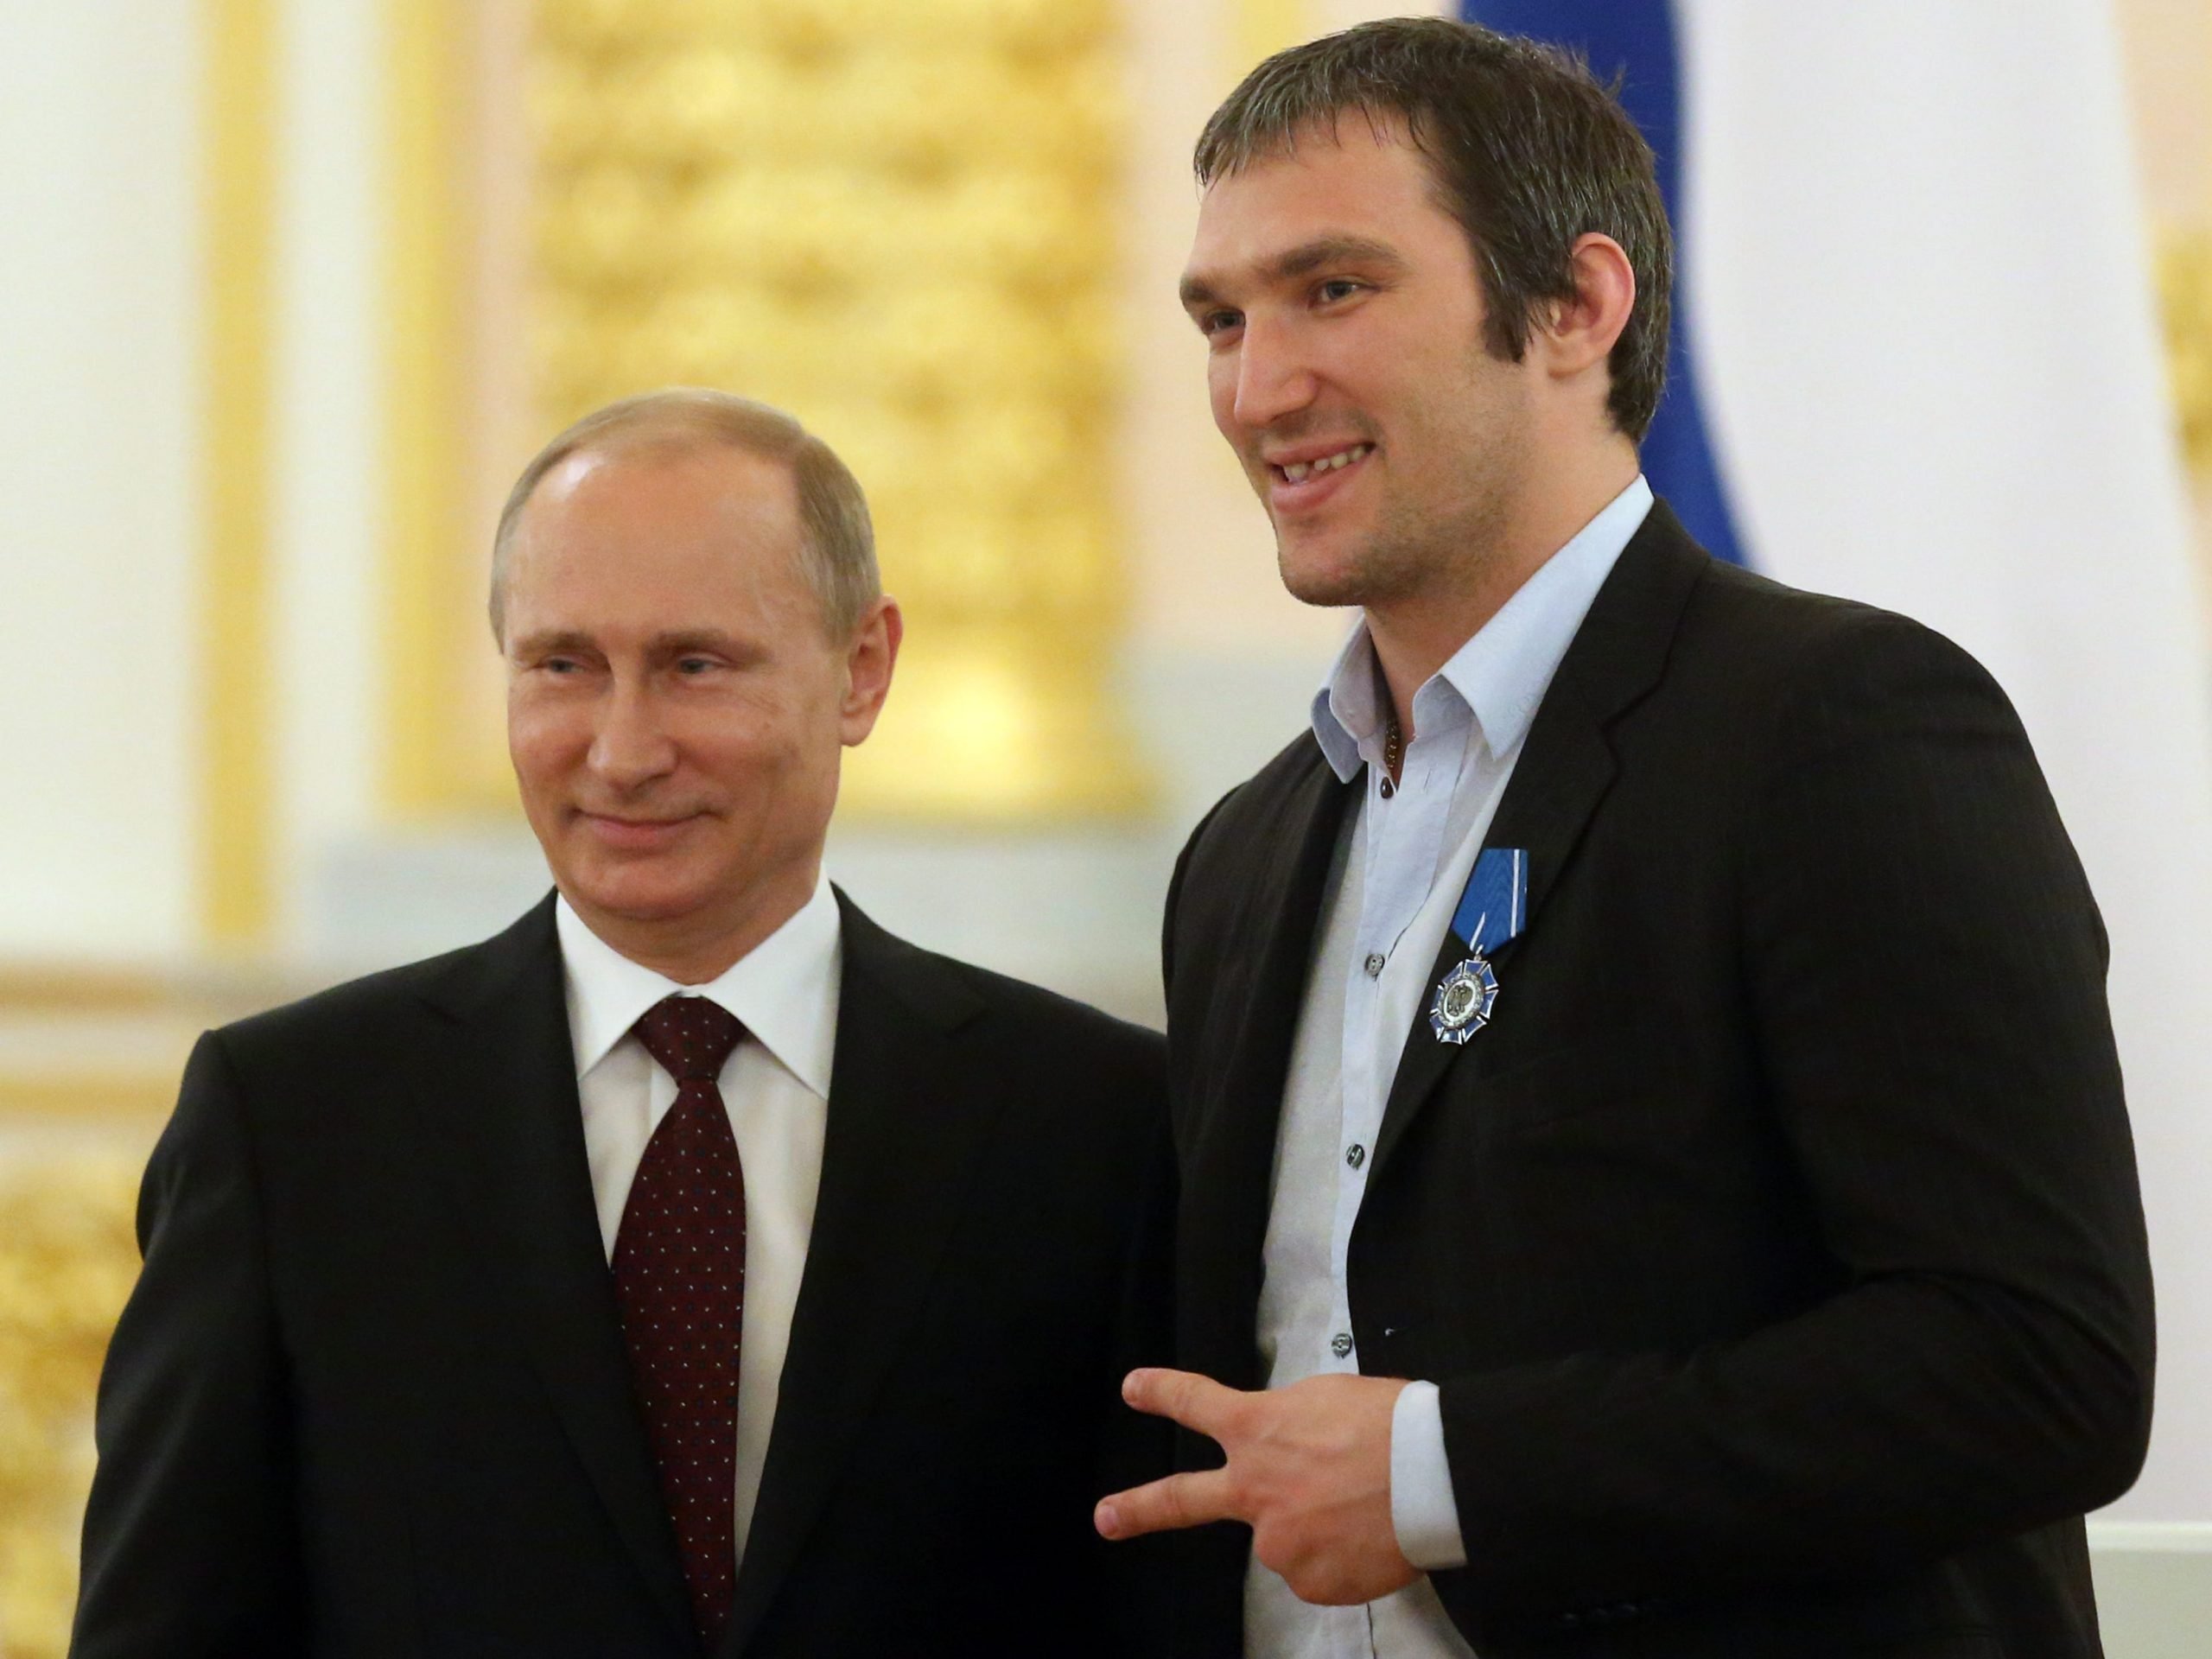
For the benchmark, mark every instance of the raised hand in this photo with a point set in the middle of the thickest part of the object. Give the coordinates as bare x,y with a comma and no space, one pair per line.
1308,1471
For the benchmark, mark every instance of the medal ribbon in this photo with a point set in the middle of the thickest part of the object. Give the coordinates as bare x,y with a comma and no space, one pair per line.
1496,902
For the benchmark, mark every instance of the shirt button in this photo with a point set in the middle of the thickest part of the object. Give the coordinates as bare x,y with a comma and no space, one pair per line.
1374,965
1356,1156
1340,1344
1389,789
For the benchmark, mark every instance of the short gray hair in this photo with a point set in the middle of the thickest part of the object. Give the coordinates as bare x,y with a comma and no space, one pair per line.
837,540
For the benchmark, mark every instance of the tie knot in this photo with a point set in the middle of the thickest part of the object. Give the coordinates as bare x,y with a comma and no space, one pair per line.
689,1036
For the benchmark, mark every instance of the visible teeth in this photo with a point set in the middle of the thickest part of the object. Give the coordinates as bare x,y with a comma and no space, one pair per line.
1299,471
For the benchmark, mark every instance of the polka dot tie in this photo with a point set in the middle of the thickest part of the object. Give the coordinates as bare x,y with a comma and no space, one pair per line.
679,1279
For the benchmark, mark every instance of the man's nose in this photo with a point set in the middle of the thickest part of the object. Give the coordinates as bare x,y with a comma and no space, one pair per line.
1273,378
631,747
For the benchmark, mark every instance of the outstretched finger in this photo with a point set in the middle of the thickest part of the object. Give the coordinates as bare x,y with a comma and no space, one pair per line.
1197,1402
1166,1505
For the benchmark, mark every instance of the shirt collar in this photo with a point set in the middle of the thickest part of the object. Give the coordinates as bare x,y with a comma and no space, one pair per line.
1501,674
783,990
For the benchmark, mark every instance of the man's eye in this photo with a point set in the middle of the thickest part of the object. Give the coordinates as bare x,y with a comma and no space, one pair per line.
1341,287
1217,322
694,664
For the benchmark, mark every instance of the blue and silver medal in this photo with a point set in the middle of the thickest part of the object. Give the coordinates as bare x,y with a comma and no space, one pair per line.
1490,911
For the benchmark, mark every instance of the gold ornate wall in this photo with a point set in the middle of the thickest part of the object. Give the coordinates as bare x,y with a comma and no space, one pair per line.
67,1259
234,845
2185,299
900,221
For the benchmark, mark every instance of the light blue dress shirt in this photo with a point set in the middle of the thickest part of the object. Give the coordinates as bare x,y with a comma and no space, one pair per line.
1398,870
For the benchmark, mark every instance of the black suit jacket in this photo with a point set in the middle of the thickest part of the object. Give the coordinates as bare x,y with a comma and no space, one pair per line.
370,1396
1777,1248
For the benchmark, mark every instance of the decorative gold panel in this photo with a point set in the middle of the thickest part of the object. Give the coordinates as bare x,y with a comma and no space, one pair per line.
436,758
67,1259
236,793
897,220
2185,296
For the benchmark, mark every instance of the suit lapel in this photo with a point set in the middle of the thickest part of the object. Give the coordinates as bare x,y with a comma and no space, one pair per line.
905,1125
1228,1167
502,1053
1567,765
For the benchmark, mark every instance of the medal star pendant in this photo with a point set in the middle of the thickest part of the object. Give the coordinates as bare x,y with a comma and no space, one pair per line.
1463,1000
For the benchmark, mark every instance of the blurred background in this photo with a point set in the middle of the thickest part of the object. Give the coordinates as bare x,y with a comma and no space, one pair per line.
290,290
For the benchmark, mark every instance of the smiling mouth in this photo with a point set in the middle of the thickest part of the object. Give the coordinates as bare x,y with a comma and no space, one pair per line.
633,831
1298,472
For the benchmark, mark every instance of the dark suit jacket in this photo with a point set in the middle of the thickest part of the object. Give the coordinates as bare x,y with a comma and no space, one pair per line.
370,1396
1777,1248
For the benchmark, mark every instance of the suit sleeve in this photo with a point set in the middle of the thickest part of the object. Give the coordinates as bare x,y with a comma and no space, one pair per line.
189,1544
1175,893
1925,969
1140,1575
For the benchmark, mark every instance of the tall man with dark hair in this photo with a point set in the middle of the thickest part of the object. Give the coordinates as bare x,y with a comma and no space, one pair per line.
693,1269
1655,1179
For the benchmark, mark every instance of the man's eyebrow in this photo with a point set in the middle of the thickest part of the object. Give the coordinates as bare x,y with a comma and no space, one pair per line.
551,639
678,642
1195,292
1302,261
1308,257
672,642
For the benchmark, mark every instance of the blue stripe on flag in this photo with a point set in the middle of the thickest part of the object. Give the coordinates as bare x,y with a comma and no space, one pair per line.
1635,38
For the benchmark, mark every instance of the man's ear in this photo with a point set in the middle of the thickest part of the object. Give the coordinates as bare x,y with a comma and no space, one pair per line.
869,661
1579,335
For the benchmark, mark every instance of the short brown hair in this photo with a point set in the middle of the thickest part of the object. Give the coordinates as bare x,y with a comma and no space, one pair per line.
837,540
1529,152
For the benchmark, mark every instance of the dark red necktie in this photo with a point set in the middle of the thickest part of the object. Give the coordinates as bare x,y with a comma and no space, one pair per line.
679,1278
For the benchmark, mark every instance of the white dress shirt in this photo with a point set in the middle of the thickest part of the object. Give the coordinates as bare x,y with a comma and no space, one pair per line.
1400,868
775,1086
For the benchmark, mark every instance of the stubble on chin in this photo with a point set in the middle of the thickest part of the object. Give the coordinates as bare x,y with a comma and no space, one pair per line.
1379,570
1407,560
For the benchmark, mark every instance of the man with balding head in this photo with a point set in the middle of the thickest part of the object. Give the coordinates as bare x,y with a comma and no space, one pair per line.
692,1268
